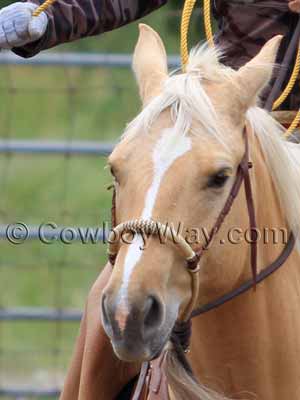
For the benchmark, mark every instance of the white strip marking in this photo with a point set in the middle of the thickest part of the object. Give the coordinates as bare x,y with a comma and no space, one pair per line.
167,149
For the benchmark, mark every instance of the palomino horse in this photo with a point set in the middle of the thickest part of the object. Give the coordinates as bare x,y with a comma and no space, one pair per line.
176,163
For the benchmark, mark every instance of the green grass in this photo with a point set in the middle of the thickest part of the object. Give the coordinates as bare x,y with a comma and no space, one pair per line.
58,103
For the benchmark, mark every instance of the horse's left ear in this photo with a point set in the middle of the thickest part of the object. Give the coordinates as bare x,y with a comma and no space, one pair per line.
150,63
256,74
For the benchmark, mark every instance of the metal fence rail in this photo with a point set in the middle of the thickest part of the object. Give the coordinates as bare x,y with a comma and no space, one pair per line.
48,59
75,147
39,314
20,394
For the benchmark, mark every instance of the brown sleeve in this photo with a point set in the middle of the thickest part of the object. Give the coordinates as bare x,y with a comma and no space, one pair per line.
72,20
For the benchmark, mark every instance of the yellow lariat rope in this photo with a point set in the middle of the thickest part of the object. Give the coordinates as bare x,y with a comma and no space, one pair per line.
286,92
184,30
290,84
185,22
43,7
207,22
293,125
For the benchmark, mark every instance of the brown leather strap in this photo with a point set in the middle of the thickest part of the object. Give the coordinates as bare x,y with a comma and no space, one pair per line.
158,385
182,333
156,375
227,207
152,383
253,226
245,166
274,266
140,387
241,175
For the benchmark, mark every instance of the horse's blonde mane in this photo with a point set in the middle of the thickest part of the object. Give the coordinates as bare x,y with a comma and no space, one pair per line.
183,385
283,160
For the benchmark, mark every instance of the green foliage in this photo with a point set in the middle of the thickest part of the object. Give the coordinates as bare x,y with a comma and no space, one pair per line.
4,3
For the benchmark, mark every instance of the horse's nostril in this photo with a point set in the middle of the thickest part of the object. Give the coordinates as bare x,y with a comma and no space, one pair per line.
153,314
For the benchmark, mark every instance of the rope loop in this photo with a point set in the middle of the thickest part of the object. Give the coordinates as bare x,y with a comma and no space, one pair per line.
185,23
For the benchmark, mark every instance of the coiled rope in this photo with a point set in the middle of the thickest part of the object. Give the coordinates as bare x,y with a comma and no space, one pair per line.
185,22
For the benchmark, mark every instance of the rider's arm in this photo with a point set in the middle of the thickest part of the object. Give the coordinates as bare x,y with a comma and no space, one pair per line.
72,20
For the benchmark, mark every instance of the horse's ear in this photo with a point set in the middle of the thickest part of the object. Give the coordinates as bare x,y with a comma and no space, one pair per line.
150,63
254,76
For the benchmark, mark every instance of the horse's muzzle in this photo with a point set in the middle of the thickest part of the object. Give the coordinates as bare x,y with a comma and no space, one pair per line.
134,329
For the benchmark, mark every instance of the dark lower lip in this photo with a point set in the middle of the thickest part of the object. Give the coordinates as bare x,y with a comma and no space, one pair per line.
129,357
157,352
150,353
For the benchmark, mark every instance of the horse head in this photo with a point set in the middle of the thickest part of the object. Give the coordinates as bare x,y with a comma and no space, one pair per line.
176,164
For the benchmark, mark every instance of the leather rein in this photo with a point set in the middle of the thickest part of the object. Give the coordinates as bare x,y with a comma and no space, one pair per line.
180,336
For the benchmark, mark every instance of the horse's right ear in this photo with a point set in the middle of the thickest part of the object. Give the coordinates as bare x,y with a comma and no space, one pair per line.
150,63
256,74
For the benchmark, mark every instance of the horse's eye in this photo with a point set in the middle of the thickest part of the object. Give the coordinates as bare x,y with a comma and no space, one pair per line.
219,179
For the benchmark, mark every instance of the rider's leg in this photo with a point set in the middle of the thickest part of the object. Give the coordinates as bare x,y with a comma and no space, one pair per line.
95,370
